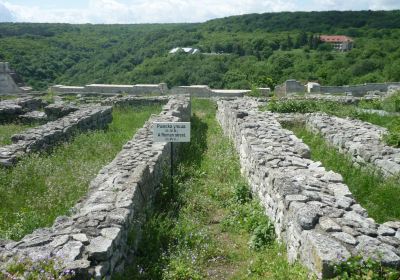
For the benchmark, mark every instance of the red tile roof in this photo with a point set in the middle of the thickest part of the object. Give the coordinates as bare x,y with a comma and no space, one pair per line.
335,38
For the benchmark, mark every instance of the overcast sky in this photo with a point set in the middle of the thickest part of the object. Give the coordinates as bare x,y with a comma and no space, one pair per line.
165,11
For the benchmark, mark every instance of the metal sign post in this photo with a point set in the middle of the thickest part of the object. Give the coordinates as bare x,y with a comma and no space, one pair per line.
173,132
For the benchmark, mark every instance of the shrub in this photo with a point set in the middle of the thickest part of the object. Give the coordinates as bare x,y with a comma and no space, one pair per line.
357,268
262,236
392,103
374,104
292,106
241,193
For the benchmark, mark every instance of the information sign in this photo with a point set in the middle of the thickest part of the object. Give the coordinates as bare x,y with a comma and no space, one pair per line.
171,132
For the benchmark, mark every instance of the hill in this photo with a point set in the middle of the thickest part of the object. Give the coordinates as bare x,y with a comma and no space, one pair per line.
247,49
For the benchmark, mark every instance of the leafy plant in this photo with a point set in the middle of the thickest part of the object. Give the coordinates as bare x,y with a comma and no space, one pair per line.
356,268
392,103
263,235
42,269
242,193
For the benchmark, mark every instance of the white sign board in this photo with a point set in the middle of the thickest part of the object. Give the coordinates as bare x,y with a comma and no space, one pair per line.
171,131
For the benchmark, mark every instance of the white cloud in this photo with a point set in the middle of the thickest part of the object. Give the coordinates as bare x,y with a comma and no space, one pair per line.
385,5
147,11
5,14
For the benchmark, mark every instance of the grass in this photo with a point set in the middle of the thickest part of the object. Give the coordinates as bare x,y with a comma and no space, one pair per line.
391,122
207,225
8,97
379,196
43,186
8,130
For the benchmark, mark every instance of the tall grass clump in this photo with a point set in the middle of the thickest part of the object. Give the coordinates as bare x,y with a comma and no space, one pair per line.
8,130
43,186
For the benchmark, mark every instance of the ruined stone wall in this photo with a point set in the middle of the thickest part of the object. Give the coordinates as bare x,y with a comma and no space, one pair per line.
313,211
94,240
361,140
135,101
13,108
358,90
46,136
140,89
196,91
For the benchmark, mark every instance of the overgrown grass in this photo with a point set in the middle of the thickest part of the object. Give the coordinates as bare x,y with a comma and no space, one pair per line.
7,97
43,186
8,130
378,196
391,122
207,225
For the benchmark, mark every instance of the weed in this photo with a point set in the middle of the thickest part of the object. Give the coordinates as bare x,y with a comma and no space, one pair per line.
262,236
29,269
358,269
8,130
392,103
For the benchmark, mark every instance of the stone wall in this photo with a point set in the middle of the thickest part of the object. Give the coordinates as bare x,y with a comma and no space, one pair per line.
289,86
313,211
361,140
135,101
206,92
94,240
195,90
293,86
46,136
13,108
140,89
358,90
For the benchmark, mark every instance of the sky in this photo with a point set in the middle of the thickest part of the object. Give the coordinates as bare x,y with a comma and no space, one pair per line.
166,11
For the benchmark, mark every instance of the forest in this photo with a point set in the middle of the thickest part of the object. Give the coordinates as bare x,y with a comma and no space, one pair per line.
236,52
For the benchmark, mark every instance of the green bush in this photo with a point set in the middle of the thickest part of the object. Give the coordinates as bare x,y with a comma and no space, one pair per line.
291,106
374,104
242,193
356,268
392,103
262,236
393,138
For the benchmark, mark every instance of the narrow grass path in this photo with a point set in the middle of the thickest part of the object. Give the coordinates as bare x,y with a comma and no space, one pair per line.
207,226
43,186
8,130
379,196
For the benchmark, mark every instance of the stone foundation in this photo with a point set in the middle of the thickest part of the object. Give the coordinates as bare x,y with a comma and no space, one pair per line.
313,211
135,101
48,135
361,140
13,108
94,240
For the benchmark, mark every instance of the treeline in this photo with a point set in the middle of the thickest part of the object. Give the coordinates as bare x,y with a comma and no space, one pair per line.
240,52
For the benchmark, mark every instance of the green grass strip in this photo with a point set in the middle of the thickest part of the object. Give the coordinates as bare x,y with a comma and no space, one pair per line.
8,130
391,122
207,226
43,186
379,196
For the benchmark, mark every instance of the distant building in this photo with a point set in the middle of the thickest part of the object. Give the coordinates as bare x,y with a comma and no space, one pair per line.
313,87
184,50
339,42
